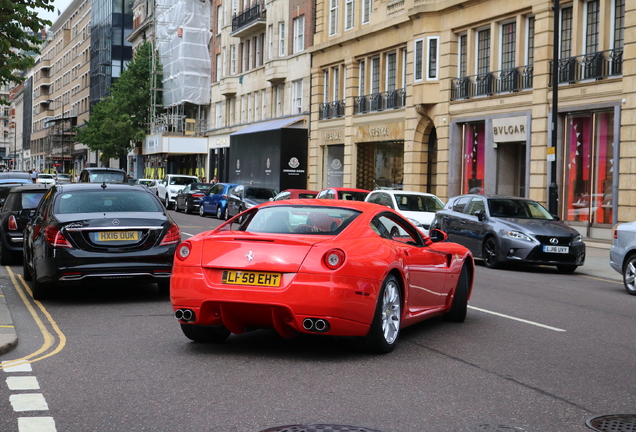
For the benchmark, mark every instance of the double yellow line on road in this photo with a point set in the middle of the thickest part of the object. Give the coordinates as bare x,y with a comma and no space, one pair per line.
52,344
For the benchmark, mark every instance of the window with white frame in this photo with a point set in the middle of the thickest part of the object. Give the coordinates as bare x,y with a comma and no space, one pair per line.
462,64
270,42
333,17
391,71
432,58
592,13
259,60
375,75
219,114
281,39
219,67
256,106
508,43
279,99
250,60
618,39
231,109
366,10
403,57
249,107
297,96
264,104
336,84
530,41
219,19
244,50
242,118
232,59
418,60
483,51
349,14
361,78
326,80
299,34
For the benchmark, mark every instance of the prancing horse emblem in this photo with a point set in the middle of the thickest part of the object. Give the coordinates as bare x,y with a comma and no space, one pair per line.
249,256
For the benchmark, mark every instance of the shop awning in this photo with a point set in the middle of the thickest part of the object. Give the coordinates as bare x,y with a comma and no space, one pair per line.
270,125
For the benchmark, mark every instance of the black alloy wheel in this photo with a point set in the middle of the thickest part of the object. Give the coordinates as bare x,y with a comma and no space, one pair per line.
490,253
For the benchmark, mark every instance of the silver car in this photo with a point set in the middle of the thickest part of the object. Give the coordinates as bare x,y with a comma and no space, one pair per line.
623,254
510,230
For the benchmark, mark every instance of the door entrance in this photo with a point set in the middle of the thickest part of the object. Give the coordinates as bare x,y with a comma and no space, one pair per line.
511,169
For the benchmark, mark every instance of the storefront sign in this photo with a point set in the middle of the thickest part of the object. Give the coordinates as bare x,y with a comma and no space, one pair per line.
509,129
380,132
334,136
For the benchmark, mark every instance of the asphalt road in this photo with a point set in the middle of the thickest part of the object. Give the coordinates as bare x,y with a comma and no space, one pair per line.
539,351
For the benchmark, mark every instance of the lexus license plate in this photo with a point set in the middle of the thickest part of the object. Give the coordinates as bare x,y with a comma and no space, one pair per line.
556,249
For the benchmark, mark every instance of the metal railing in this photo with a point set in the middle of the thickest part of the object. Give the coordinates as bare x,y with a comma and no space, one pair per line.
249,16
592,66
331,110
489,83
379,101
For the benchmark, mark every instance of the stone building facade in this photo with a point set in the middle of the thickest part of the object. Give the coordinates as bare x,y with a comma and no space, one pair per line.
452,97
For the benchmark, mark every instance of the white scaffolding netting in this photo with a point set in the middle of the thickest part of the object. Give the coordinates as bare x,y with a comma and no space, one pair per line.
182,35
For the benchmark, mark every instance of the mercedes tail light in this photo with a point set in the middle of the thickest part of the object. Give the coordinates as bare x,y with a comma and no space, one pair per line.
54,237
173,236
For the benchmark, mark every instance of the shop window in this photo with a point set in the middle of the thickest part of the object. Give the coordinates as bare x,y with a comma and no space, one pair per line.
334,171
589,168
381,165
474,158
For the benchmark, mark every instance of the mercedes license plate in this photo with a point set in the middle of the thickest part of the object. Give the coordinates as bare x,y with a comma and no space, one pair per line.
105,236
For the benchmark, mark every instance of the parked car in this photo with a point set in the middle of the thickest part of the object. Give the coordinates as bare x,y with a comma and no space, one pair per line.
171,185
510,230
418,207
350,194
247,196
86,231
189,199
295,194
215,201
102,175
62,178
18,207
347,277
623,254
44,178
149,183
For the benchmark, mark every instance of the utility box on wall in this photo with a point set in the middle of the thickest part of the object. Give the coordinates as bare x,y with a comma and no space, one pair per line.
275,158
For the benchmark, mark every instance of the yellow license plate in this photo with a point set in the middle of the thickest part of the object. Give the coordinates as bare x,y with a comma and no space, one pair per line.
104,236
233,277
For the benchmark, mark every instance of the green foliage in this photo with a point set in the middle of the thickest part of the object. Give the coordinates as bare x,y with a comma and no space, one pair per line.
116,122
20,29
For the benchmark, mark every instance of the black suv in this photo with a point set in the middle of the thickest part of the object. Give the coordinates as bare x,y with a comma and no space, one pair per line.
102,175
18,208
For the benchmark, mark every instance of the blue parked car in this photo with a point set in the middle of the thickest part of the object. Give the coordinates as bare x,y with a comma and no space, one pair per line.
215,201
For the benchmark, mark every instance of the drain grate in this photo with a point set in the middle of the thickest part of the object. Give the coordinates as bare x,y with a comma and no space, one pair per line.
613,423
497,427
319,428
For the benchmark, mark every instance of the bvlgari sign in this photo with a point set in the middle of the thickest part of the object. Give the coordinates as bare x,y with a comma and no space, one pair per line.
509,129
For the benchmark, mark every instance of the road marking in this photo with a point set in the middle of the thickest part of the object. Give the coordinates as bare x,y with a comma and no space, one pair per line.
23,383
604,280
8,366
518,319
28,402
36,424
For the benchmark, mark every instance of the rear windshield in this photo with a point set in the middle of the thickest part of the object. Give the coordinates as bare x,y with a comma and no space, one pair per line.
30,200
307,195
98,201
107,177
352,196
300,220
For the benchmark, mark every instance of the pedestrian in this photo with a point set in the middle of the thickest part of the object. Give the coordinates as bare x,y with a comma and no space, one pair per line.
214,180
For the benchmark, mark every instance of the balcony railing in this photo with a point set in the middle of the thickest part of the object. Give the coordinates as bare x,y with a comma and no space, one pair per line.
497,82
246,18
331,110
593,66
379,101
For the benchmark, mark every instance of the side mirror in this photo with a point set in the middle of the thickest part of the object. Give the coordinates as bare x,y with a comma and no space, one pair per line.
481,215
437,235
556,218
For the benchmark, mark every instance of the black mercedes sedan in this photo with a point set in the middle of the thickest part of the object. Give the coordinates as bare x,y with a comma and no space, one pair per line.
505,230
86,231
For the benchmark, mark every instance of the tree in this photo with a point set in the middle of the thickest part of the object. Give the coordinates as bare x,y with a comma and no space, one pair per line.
20,29
119,120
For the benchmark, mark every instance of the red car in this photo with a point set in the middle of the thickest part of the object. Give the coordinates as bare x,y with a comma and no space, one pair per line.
342,193
319,267
294,194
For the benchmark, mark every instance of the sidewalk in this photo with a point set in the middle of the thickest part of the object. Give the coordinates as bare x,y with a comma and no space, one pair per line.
596,264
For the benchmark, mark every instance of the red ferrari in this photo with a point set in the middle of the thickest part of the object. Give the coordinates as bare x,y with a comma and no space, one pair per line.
327,267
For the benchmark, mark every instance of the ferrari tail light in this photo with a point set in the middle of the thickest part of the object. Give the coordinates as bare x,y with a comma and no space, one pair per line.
183,250
334,259
54,237
173,236
12,224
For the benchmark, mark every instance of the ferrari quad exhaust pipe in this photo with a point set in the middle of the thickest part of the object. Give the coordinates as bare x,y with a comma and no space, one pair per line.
186,315
316,325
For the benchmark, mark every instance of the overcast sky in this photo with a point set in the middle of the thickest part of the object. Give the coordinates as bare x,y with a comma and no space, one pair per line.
58,4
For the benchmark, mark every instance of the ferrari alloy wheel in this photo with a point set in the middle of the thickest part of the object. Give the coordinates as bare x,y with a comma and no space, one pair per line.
214,334
219,212
566,268
489,253
629,275
385,329
457,312
201,211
